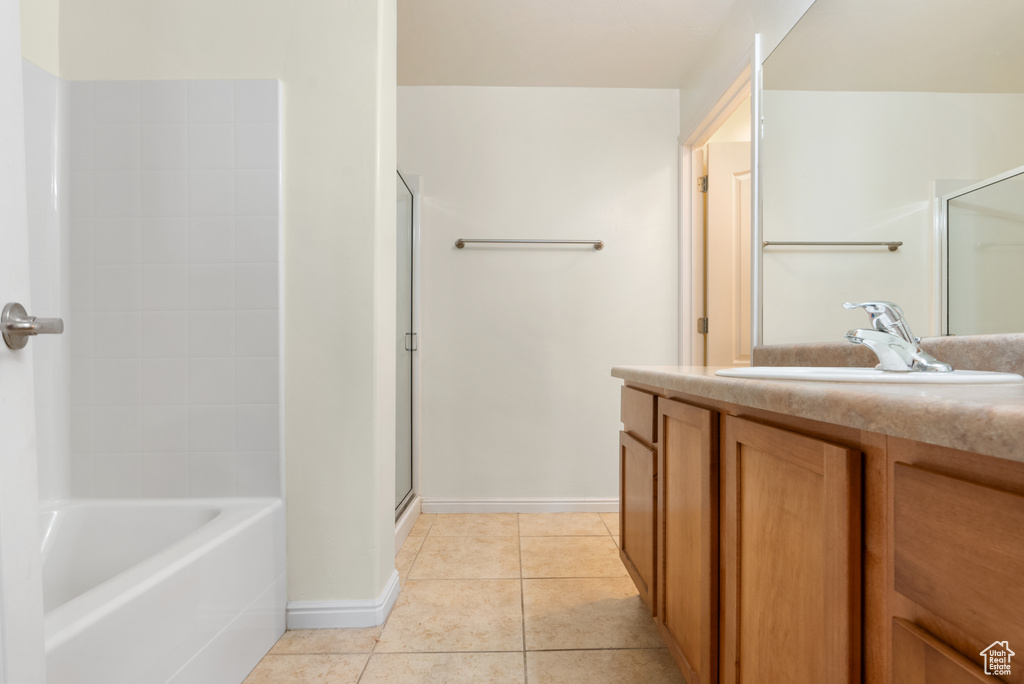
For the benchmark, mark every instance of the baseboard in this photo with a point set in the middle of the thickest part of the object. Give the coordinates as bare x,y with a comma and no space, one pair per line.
403,526
523,505
336,614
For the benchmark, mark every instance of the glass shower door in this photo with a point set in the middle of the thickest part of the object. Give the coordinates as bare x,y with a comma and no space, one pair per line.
405,347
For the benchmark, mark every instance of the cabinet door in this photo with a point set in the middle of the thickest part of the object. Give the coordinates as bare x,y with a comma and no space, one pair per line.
687,598
790,558
637,518
919,658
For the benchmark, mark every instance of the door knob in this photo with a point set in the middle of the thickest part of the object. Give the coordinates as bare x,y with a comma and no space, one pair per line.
16,325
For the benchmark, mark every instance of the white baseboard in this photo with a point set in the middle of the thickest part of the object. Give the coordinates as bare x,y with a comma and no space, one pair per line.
335,614
522,505
404,524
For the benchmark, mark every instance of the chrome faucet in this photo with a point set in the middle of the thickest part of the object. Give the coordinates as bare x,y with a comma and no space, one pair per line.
890,338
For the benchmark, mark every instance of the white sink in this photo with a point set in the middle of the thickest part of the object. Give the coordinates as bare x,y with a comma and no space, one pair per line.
825,374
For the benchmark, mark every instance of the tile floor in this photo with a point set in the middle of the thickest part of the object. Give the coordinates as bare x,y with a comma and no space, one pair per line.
528,598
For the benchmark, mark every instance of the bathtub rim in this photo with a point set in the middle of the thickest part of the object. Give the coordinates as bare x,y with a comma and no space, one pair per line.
235,516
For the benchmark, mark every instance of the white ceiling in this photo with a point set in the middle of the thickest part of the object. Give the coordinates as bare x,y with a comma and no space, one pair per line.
572,43
958,46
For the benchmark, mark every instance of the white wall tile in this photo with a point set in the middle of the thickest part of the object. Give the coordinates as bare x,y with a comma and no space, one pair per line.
211,286
83,294
211,428
211,474
211,193
165,475
211,380
164,147
256,380
116,193
81,241
164,287
256,239
118,429
256,333
120,336
80,94
117,241
115,102
211,101
118,382
256,286
257,473
164,193
164,240
82,475
117,288
256,427
164,381
82,382
164,334
79,329
256,100
256,193
211,146
211,240
256,146
82,428
211,333
80,203
164,101
117,475
81,147
116,146
164,428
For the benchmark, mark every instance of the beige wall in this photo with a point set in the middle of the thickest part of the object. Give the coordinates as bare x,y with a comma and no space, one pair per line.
337,64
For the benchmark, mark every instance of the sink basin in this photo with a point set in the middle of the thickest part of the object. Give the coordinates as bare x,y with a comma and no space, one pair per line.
825,374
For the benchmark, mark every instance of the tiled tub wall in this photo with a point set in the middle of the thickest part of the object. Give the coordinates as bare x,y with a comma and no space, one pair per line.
174,288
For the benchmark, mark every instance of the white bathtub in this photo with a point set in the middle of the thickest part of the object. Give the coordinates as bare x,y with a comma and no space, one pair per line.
162,590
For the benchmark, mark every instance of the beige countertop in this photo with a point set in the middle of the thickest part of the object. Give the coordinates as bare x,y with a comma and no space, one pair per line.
986,419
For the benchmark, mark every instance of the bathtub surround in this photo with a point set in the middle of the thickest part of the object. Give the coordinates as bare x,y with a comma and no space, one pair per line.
174,266
518,412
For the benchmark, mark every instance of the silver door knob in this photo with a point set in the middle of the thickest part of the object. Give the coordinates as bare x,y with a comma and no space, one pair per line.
16,325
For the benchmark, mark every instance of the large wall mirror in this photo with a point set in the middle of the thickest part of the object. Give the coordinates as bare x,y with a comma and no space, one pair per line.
873,110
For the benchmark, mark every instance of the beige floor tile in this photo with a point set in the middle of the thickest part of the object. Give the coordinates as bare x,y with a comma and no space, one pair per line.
647,666
475,524
467,558
586,613
422,525
310,641
455,615
611,521
405,557
571,524
308,669
571,557
445,668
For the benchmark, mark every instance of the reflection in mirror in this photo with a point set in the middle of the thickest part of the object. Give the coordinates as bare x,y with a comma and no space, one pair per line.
871,108
985,232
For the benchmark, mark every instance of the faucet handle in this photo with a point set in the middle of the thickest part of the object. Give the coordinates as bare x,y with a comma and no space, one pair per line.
886,316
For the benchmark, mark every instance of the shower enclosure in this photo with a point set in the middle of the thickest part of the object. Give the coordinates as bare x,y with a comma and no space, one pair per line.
406,347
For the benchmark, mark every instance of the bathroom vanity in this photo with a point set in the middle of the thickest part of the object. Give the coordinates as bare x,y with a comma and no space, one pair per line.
825,532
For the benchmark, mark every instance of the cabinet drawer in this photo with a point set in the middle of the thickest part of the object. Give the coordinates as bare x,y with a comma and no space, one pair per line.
920,658
639,414
959,552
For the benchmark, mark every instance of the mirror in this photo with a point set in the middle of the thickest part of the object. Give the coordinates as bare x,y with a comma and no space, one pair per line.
872,111
984,245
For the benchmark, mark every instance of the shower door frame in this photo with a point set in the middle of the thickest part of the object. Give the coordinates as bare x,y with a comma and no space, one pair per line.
411,500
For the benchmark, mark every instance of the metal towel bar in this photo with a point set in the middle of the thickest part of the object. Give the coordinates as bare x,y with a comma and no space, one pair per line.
598,244
893,246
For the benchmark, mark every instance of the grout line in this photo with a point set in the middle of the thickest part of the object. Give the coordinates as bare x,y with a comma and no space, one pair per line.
522,593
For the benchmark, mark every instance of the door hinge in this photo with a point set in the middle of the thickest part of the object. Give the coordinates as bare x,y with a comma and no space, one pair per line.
702,325
702,183
411,341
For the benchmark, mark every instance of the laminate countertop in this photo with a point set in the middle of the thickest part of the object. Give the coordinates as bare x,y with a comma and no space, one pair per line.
984,419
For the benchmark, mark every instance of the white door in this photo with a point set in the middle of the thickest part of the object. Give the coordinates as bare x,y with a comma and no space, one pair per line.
728,250
21,603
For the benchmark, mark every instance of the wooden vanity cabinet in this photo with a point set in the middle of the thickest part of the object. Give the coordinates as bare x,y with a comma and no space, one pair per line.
687,594
790,557
638,483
